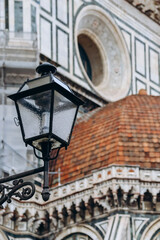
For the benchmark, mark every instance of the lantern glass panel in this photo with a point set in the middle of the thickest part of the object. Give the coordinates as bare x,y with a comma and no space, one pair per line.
35,114
64,112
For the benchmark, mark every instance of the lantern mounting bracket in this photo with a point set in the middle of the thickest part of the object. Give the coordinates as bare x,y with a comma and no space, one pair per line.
25,190
18,183
28,190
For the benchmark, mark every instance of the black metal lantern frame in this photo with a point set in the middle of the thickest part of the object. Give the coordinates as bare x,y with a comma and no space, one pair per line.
47,110
54,86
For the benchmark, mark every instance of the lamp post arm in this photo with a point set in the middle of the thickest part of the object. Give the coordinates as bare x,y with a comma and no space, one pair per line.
21,175
27,188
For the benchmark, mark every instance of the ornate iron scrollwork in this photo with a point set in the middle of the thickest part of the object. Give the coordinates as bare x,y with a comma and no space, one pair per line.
27,191
27,188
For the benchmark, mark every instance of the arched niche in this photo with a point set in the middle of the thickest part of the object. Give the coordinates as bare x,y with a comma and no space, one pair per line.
88,230
152,232
2,235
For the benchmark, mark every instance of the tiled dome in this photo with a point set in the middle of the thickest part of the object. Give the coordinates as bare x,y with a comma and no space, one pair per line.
123,132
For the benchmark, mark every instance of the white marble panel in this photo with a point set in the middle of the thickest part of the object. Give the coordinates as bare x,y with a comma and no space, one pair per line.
154,66
62,48
140,57
11,15
127,38
62,11
46,4
140,85
77,69
2,15
2,236
154,92
45,38
26,16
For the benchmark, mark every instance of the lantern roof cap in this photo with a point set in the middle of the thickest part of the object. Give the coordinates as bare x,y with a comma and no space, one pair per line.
46,68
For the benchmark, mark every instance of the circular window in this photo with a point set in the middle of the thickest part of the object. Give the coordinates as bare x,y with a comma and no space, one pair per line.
102,53
85,61
90,55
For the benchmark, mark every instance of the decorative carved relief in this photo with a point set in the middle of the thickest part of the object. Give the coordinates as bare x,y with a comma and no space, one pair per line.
150,8
110,198
120,197
98,35
129,200
99,199
55,217
14,218
82,209
73,212
64,215
148,201
91,206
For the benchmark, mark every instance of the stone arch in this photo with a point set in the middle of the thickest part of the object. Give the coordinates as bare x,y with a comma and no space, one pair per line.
107,52
156,236
152,231
88,230
2,235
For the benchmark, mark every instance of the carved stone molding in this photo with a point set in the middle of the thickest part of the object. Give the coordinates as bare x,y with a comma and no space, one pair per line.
110,189
149,8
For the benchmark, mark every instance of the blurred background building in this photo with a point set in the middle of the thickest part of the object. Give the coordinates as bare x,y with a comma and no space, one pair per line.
106,184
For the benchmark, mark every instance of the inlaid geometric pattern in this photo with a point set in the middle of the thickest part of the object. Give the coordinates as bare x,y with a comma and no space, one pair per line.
77,70
127,37
46,5
140,57
154,71
140,85
46,37
62,48
138,224
62,11
154,92
103,226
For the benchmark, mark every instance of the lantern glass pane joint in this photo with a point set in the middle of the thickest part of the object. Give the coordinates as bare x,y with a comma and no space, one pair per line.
46,109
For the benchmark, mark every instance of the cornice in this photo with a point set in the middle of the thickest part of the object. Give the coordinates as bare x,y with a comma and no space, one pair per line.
101,194
149,8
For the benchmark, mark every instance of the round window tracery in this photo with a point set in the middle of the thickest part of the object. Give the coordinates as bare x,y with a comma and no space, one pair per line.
105,62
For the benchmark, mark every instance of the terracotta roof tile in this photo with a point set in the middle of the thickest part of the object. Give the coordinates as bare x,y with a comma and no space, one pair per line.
123,132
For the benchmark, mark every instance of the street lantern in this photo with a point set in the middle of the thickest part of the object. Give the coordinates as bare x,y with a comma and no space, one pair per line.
46,109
